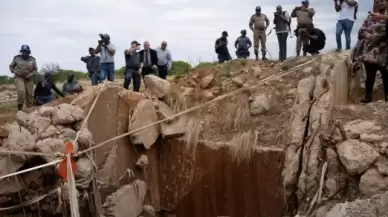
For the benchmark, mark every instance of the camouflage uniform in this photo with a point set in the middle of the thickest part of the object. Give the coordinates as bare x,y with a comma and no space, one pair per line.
260,23
370,55
24,70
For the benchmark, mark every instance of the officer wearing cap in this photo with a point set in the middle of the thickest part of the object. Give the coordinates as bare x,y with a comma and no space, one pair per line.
24,67
259,24
132,66
242,44
221,47
304,18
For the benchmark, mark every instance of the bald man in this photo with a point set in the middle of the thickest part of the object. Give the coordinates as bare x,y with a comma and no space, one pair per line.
148,60
164,60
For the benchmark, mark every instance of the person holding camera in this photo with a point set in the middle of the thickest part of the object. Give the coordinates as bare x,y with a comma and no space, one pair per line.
93,66
132,66
259,24
107,51
282,22
148,60
242,44
347,11
221,47
304,18
23,66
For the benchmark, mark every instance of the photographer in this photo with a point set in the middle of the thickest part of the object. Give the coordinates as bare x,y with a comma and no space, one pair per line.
282,22
107,51
304,17
347,11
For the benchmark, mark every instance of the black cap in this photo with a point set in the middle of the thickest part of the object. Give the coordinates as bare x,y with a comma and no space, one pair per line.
258,8
135,42
225,33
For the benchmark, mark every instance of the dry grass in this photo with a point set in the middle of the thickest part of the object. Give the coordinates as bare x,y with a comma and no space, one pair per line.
239,116
193,130
243,146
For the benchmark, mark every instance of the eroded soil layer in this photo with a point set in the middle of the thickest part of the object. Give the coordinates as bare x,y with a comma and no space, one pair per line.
212,184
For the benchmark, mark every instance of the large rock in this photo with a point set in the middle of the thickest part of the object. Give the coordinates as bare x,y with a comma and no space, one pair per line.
157,86
258,104
358,127
144,115
127,201
356,156
84,168
171,128
382,165
376,206
67,114
51,146
33,122
372,182
131,97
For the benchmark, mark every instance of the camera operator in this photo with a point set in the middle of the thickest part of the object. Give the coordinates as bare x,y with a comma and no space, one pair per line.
107,51
304,17
282,22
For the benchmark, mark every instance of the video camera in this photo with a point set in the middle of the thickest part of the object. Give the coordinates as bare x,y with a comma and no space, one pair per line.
102,40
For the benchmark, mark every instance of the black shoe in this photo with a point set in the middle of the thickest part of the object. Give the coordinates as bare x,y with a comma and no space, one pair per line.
20,107
257,57
366,101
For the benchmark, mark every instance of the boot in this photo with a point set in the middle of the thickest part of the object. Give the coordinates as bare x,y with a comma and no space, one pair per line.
263,57
304,53
257,55
298,53
368,98
20,107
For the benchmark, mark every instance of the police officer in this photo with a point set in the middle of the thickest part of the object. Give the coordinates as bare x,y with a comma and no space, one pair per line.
304,18
242,44
259,24
23,66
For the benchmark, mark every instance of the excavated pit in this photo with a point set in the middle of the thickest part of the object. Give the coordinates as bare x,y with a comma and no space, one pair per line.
206,182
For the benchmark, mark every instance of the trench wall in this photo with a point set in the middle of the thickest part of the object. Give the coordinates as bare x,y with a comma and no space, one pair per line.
204,183
211,184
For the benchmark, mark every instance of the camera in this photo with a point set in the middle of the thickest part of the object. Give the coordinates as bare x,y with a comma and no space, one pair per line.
102,40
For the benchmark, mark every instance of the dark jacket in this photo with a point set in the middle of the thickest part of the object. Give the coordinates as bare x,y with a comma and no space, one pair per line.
45,90
153,54
92,63
132,60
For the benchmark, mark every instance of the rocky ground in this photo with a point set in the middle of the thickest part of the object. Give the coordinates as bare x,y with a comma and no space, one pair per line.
336,157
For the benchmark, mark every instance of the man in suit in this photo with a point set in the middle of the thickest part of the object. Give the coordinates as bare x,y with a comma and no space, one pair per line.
148,60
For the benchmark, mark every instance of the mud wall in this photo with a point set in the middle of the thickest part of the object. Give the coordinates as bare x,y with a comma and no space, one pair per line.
210,183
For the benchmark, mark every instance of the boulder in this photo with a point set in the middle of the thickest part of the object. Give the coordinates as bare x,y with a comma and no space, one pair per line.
68,134
206,80
127,201
46,111
51,131
356,156
131,97
171,128
19,138
372,182
85,138
157,86
84,168
258,104
358,208
33,122
67,114
359,127
143,115
382,165
371,138
51,146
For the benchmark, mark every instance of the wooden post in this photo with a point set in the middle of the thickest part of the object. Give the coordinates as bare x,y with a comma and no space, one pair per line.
341,83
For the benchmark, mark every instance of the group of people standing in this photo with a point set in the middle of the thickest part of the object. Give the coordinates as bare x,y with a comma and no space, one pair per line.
138,63
311,39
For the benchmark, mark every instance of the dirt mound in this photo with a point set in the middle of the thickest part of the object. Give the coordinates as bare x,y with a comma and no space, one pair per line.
264,110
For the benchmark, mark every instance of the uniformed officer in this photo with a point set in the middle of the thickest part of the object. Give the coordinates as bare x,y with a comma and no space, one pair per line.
259,24
24,67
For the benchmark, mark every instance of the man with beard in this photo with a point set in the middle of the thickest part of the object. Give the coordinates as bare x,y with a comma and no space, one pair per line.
259,24
23,66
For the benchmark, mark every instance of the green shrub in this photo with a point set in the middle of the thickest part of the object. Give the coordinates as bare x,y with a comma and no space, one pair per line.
179,68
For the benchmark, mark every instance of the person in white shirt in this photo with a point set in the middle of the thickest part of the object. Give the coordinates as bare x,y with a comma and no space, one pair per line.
347,10
164,60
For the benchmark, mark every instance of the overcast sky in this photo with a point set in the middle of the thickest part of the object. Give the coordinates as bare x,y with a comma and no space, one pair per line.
61,31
